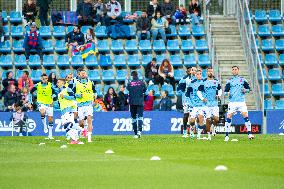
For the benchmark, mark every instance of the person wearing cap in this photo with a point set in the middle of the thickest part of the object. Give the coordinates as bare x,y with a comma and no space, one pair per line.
151,72
32,40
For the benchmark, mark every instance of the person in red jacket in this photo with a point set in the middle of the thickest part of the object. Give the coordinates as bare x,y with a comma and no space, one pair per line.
149,101
25,81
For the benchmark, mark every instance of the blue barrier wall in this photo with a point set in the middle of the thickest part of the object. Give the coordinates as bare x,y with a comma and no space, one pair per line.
275,121
119,123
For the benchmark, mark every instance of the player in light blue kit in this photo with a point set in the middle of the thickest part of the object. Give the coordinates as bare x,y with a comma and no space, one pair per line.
213,93
235,89
182,87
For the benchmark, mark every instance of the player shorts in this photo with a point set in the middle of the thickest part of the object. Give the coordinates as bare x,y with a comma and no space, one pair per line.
68,117
197,111
48,109
85,111
212,111
187,108
234,107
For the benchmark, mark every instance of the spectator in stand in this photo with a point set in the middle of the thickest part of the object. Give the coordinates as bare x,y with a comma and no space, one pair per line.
7,82
11,98
168,10
165,103
153,8
32,41
166,72
100,11
113,12
194,11
43,10
29,11
151,72
181,14
19,118
52,79
73,39
159,25
149,101
143,26
90,37
122,99
26,99
85,13
110,100
25,81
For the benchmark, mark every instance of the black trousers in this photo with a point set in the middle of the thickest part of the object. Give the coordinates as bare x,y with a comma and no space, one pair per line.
43,17
29,48
137,117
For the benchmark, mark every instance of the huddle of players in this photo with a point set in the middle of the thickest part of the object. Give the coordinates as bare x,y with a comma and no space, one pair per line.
200,101
75,97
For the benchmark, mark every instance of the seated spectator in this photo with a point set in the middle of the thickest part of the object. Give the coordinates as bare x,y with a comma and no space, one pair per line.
110,100
143,26
26,99
153,8
149,101
159,25
113,12
122,99
74,39
168,10
194,11
11,98
90,37
29,11
32,41
85,13
100,10
166,72
19,118
99,105
25,81
181,14
52,78
152,72
165,103
7,82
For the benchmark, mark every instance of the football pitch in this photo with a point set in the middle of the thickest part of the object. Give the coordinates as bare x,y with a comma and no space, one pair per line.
184,163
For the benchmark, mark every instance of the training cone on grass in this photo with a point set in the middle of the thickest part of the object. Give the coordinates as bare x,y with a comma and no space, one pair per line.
155,158
109,152
63,146
42,143
234,140
221,168
57,140
281,134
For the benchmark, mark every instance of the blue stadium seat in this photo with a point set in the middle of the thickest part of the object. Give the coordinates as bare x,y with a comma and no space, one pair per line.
187,45
91,60
50,71
275,16
119,60
59,31
45,31
173,31
6,61
4,16
178,74
15,17
18,46
201,45
60,46
264,30
94,75
64,73
121,75
77,60
20,61
48,60
131,46
85,28
99,90
108,75
103,46
189,60
4,72
271,60
279,44
19,73
268,104
146,58
159,45
204,60
198,31
176,60
100,32
172,45
6,31
70,28
105,60
36,75
279,104
161,57
184,31
266,90
62,61
278,30
116,46
281,59
145,45
260,16
277,89
169,88
47,46
155,88
133,60
17,31
267,45
5,47
274,74
34,61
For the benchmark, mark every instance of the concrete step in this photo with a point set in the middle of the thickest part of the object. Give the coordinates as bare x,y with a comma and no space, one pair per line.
229,53
222,32
228,44
230,58
225,48
227,39
213,21
225,28
218,17
217,25
226,36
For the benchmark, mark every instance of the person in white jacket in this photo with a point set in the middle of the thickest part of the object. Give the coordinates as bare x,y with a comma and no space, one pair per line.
113,11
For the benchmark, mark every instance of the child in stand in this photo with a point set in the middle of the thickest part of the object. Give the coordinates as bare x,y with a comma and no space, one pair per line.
19,118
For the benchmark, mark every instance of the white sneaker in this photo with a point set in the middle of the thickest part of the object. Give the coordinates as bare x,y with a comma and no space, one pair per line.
250,136
20,134
192,135
50,138
136,137
139,134
227,138
185,136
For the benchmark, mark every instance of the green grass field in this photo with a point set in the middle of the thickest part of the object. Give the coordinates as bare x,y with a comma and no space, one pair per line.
184,163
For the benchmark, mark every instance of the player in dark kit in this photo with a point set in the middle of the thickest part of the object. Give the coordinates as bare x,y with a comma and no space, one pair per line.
136,89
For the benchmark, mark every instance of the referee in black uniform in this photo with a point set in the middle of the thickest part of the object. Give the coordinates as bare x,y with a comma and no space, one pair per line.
136,89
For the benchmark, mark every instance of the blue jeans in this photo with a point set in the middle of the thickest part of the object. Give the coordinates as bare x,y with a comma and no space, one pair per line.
155,33
195,19
139,33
